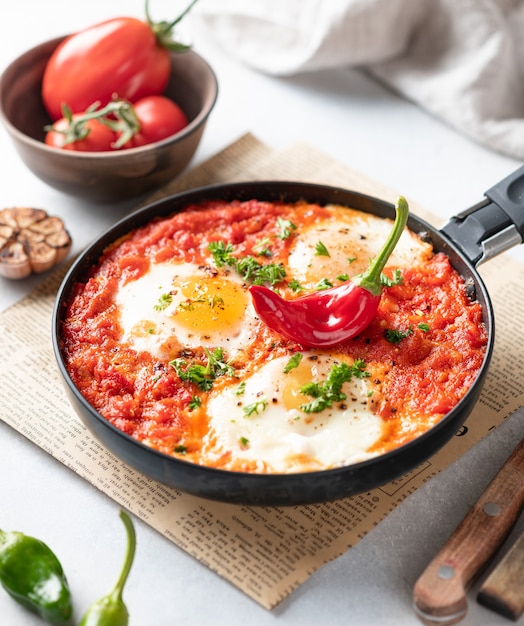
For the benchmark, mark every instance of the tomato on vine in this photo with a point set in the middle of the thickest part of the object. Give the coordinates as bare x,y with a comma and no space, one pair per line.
80,133
118,125
158,118
123,57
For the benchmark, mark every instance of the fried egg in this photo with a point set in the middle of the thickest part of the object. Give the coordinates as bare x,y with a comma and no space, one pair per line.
182,305
346,244
264,422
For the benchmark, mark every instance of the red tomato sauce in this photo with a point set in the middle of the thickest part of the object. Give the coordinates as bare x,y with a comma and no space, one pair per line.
423,350
426,374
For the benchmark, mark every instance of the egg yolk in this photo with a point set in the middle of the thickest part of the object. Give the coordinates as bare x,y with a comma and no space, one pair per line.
294,380
210,303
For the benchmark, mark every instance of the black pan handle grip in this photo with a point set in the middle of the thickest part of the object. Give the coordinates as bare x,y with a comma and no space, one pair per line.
508,195
493,225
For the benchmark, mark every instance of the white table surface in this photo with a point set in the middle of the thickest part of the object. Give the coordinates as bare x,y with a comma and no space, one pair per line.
365,126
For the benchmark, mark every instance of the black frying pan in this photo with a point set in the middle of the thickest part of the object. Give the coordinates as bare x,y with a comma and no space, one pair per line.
470,238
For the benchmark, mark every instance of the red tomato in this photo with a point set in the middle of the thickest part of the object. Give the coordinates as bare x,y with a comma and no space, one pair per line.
99,139
119,56
159,117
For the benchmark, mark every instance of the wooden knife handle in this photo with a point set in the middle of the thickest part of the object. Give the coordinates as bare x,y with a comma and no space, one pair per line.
503,589
439,595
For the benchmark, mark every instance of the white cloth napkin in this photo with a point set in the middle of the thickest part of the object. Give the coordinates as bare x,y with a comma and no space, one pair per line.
461,60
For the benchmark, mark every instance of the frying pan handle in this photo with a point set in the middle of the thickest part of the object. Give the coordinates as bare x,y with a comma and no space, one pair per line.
493,225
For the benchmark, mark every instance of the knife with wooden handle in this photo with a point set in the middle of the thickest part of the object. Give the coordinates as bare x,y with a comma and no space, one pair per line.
439,595
503,589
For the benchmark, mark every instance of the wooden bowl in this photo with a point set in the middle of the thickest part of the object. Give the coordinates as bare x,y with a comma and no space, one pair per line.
104,176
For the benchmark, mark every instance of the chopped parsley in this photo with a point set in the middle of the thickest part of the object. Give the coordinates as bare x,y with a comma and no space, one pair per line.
271,273
396,336
203,376
255,407
248,267
163,302
180,449
253,271
323,284
321,250
244,442
285,228
262,247
327,392
293,362
239,391
424,327
194,403
294,285
343,277
397,279
222,253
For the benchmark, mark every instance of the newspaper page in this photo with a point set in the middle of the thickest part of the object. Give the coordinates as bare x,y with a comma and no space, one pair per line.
267,552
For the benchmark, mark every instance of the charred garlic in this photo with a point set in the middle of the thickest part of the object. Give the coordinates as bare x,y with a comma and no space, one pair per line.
31,241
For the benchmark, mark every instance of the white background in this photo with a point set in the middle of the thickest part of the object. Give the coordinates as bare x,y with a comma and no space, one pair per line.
370,129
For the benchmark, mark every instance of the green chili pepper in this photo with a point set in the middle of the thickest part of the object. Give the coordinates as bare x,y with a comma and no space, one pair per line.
110,610
33,576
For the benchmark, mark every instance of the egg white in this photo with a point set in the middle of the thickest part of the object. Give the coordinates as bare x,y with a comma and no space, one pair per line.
277,433
352,239
160,314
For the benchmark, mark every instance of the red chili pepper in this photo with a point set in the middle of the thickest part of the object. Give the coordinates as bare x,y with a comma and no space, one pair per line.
326,318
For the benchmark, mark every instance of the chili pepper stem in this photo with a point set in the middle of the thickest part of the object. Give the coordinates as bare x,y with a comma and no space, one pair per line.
110,610
370,279
118,589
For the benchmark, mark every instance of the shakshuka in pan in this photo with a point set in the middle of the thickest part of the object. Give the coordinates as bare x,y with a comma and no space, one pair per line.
163,341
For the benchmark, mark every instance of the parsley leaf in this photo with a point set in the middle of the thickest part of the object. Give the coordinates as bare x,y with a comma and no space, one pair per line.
252,271
222,253
323,284
293,362
397,279
255,407
248,267
424,327
321,250
294,285
163,302
217,363
203,376
262,247
193,373
194,403
271,273
241,389
396,336
327,392
285,228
